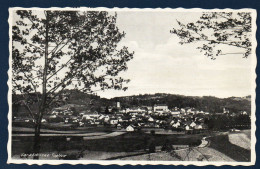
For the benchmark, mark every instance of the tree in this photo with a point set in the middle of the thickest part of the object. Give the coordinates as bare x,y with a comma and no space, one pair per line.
57,50
218,29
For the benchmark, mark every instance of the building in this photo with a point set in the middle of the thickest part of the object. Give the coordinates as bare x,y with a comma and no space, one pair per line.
225,111
193,124
136,110
113,121
119,126
118,105
130,128
175,113
160,108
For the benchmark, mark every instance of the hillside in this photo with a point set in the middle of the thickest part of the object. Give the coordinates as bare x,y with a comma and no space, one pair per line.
95,103
205,103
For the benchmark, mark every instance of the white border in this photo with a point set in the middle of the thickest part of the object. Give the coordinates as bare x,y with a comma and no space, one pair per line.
123,162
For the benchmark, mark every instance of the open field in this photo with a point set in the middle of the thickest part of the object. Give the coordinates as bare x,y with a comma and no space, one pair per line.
117,142
241,139
222,144
56,127
218,146
196,154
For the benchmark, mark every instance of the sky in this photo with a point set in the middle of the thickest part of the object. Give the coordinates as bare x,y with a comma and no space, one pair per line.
162,65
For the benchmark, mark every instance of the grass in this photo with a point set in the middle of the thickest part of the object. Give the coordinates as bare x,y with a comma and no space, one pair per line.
129,142
222,144
61,127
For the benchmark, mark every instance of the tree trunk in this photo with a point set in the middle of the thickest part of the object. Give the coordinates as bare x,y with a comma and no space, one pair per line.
37,137
37,144
42,107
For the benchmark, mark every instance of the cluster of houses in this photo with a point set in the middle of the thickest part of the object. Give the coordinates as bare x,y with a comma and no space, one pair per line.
130,119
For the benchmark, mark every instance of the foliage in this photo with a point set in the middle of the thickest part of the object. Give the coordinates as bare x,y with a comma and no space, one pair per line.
205,103
214,29
55,50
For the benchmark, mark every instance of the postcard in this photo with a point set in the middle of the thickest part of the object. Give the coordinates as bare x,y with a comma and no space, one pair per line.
132,86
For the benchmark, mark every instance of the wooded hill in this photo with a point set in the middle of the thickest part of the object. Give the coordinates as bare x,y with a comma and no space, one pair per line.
205,103
95,103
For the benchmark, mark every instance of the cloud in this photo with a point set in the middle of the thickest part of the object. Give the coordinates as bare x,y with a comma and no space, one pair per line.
161,64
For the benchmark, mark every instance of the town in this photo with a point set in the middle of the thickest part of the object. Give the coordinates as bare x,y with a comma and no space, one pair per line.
187,120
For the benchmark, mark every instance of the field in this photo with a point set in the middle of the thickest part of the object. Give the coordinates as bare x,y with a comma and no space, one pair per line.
223,145
112,144
124,142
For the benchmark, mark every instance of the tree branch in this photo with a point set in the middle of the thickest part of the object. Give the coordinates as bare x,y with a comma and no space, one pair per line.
33,23
55,96
34,87
56,47
59,69
34,46
30,111
222,42
57,50
28,108
51,91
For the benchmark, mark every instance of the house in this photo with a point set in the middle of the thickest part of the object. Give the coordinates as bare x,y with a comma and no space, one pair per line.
151,119
225,111
183,111
122,111
193,111
136,110
193,124
75,120
106,118
198,127
86,117
120,119
187,127
81,124
149,108
160,108
113,121
67,112
66,120
98,121
53,116
90,116
29,120
200,112
55,112
172,122
176,125
44,120
101,117
244,113
130,128
175,113
119,126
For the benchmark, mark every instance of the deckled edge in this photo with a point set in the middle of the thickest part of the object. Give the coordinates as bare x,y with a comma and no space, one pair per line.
126,162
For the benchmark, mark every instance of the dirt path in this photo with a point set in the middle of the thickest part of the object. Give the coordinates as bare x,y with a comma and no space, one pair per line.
113,134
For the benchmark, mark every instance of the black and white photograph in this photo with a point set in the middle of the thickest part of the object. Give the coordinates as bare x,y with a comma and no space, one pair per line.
132,86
